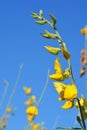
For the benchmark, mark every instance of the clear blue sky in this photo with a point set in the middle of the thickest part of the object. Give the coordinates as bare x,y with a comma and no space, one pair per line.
21,43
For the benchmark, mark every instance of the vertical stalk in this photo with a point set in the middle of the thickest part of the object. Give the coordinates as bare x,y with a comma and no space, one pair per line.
81,113
86,57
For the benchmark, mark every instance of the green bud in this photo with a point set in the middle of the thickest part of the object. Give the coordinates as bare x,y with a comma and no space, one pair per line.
52,50
41,13
41,22
34,15
66,73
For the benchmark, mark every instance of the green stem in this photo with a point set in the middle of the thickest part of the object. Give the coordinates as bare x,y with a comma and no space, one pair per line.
70,67
81,113
44,90
3,96
62,44
40,98
14,89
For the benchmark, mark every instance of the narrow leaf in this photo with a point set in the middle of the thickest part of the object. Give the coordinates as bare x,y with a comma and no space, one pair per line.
41,13
49,35
53,20
34,15
52,50
41,22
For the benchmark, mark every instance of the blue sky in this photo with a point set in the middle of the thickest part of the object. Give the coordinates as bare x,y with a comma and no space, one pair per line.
21,43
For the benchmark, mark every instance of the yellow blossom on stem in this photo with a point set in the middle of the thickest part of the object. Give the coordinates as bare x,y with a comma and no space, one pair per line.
68,104
67,92
83,104
58,71
33,98
30,117
84,31
27,90
35,126
70,92
32,110
28,103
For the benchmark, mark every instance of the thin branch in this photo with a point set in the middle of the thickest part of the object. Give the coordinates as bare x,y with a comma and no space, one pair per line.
44,90
3,96
14,88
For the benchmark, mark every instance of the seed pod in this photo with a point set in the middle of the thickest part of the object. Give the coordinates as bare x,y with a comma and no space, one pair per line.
52,50
65,53
41,22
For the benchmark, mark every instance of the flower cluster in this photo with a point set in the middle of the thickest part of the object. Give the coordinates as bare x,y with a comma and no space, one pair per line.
67,92
32,110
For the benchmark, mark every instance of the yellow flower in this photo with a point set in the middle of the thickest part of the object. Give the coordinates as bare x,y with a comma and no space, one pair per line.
83,102
68,104
35,127
32,98
60,87
67,92
84,113
84,31
32,110
28,103
27,90
30,117
70,92
8,109
58,71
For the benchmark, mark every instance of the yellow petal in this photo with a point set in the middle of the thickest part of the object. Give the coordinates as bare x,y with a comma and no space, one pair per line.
70,92
30,117
68,105
27,90
59,87
32,110
57,67
56,76
61,97
28,103
32,98
35,126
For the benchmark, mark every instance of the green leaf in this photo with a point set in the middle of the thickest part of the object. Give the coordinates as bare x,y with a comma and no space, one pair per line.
34,15
53,20
49,35
52,50
41,13
79,121
41,22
